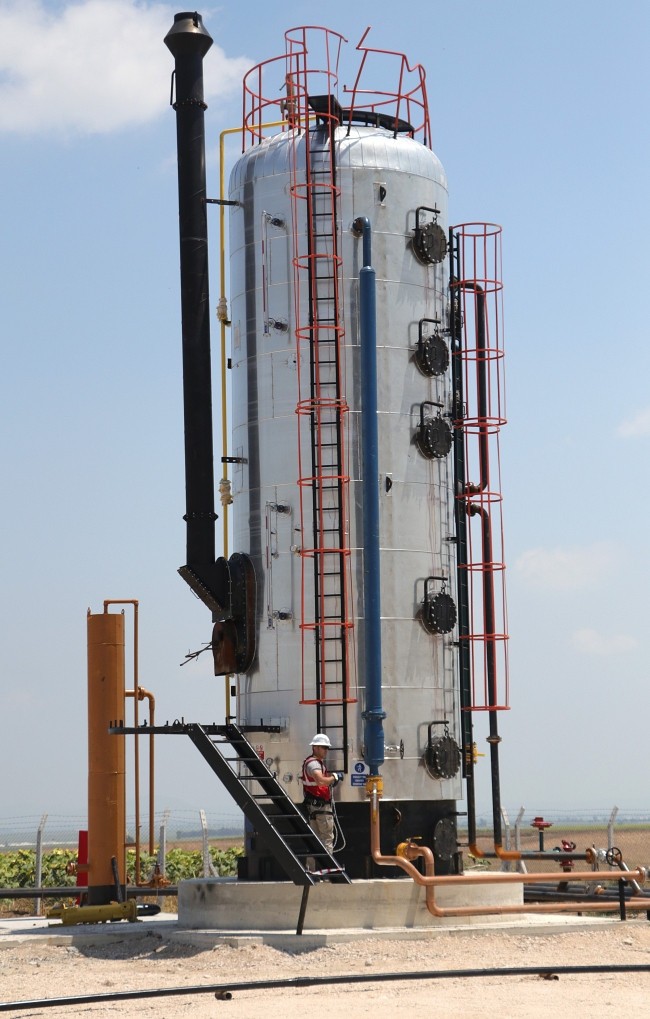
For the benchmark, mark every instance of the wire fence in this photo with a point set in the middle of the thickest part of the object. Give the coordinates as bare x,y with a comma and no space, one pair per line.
557,831
566,831
45,852
61,831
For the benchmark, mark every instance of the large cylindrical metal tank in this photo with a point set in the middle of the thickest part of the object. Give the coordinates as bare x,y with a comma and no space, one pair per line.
309,675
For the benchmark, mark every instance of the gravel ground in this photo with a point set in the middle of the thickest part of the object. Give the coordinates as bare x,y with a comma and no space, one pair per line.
32,969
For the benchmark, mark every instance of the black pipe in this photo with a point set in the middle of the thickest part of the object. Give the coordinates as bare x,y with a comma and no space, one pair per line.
188,41
486,554
460,515
490,666
223,990
565,891
75,891
621,899
473,509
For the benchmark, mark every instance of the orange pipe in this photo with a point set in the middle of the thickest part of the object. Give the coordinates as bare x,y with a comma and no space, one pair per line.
430,880
136,722
505,854
142,693
501,853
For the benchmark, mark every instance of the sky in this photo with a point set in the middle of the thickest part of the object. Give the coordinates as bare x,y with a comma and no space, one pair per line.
539,115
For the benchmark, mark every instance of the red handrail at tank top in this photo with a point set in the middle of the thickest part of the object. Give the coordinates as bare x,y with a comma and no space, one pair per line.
321,792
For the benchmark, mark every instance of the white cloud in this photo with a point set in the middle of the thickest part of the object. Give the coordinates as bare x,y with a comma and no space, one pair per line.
636,425
594,642
567,569
92,67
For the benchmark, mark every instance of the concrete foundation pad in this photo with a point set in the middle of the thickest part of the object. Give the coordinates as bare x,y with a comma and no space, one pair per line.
167,929
226,903
311,940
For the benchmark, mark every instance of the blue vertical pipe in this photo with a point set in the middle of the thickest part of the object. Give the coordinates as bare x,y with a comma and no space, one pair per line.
374,714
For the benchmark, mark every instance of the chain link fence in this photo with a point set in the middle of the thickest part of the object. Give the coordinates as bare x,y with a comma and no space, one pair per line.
41,852
565,831
560,831
178,828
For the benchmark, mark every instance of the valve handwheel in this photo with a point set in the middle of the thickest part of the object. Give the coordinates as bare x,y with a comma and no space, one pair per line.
614,857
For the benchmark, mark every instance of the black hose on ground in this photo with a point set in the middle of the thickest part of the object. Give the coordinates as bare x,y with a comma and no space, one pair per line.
225,991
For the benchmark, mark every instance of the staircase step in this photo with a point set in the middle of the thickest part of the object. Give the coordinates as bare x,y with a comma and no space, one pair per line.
283,817
271,826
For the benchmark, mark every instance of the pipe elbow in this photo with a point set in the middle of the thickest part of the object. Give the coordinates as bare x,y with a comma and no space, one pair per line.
361,227
506,854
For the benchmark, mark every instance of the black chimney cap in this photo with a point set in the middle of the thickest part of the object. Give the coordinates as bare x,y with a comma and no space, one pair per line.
188,35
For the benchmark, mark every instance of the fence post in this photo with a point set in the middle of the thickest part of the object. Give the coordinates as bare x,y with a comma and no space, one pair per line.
521,866
505,864
39,863
208,869
610,827
162,844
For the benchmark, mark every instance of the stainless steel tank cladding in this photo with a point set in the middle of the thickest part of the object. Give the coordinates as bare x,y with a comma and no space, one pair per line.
386,179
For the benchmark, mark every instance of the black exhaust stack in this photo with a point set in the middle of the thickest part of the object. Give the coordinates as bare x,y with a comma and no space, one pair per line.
226,587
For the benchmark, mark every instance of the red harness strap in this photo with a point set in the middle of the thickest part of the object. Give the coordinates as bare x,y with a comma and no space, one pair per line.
311,786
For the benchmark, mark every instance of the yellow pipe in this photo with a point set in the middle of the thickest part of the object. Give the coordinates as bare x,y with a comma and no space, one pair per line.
69,915
430,880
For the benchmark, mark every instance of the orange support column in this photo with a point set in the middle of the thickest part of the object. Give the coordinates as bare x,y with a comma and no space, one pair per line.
106,757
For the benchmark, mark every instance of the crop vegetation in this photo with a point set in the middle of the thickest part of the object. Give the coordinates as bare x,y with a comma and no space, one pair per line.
59,866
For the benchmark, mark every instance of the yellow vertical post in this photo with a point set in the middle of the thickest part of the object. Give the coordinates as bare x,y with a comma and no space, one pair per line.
106,757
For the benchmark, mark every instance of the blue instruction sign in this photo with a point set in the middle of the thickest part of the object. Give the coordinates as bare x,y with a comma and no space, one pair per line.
360,771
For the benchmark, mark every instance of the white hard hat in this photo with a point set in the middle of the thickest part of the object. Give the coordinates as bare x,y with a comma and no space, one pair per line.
321,740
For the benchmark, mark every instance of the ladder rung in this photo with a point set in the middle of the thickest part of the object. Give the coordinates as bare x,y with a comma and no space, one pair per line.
243,760
298,835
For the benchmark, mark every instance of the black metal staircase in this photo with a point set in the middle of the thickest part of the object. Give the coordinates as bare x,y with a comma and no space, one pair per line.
265,803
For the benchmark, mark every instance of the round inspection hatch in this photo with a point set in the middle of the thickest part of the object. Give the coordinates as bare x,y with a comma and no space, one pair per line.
430,243
432,357
443,757
434,439
439,613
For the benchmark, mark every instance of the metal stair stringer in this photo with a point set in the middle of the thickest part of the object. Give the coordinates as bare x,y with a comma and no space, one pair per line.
284,829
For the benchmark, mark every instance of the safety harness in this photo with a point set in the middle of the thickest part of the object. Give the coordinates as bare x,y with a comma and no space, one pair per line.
316,796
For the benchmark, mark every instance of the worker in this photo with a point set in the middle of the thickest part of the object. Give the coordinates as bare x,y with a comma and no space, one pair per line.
318,783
